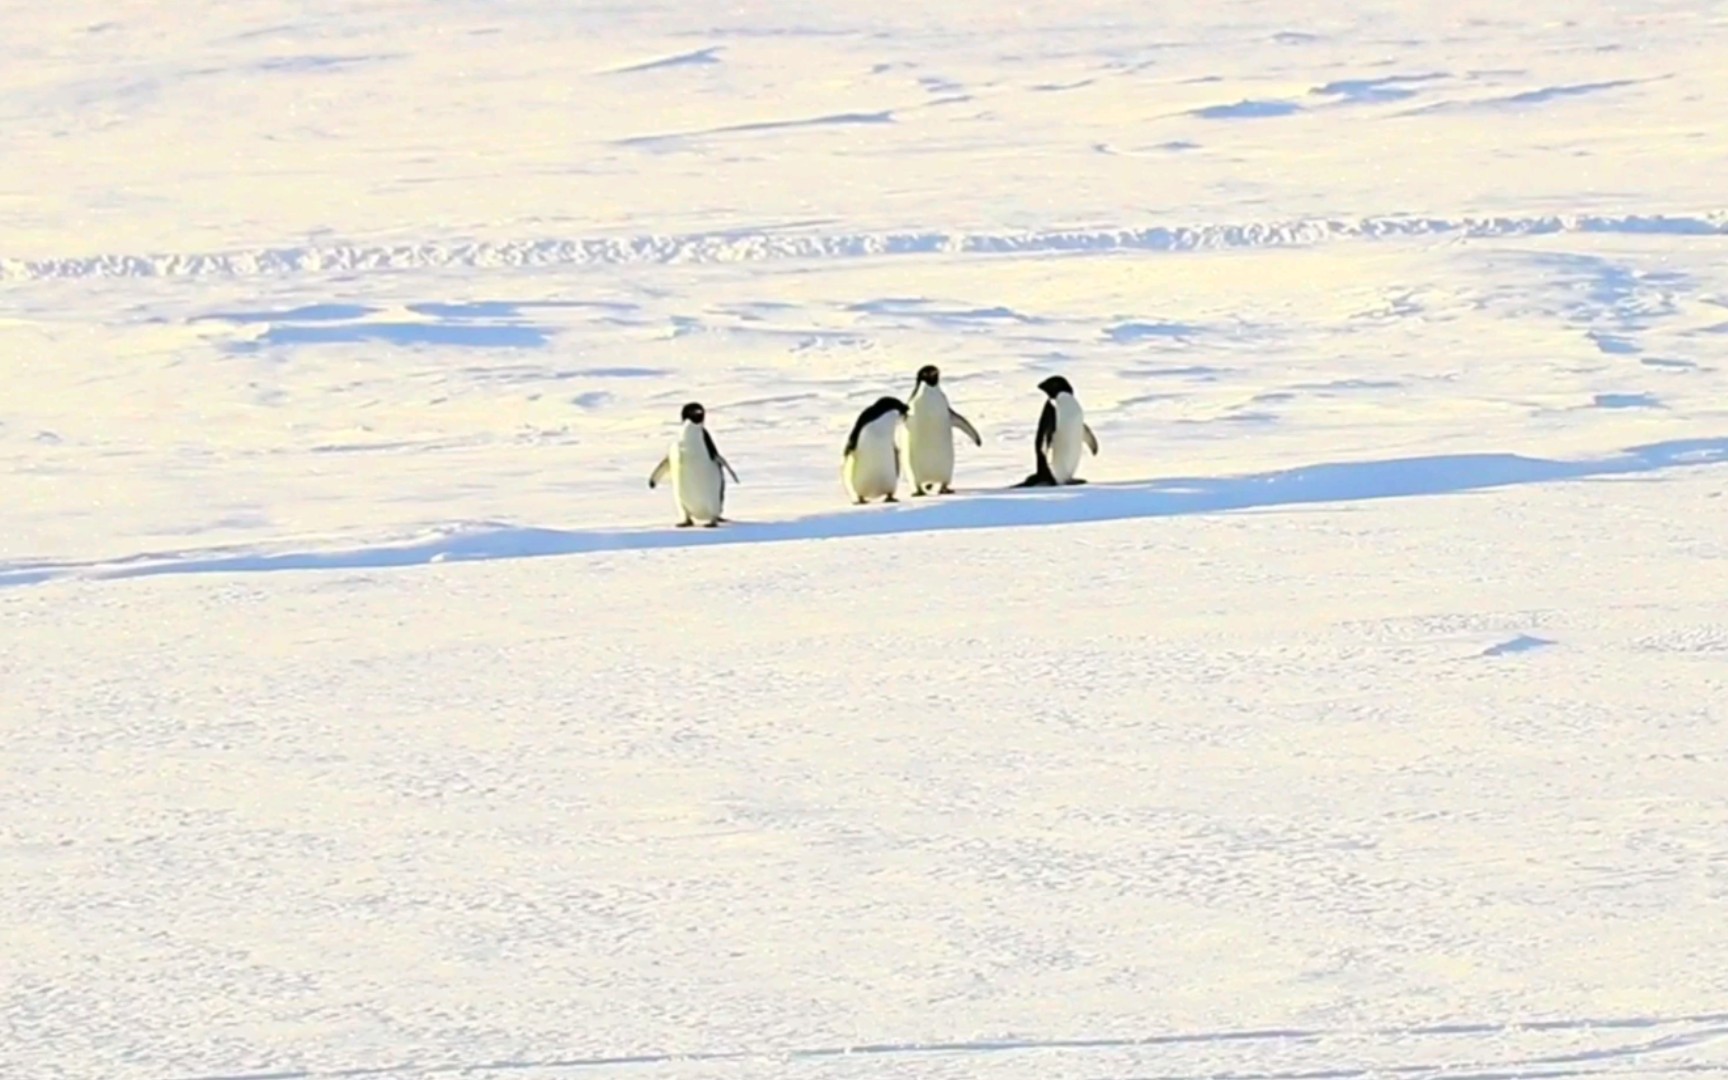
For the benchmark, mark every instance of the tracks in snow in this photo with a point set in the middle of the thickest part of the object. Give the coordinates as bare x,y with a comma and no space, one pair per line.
749,246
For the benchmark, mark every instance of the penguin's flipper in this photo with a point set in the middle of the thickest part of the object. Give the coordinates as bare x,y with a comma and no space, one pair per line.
660,471
1091,439
719,459
965,425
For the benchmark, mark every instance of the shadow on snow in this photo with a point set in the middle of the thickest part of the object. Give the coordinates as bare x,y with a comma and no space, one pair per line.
1324,483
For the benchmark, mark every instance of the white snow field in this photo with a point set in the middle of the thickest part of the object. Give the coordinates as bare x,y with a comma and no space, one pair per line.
362,714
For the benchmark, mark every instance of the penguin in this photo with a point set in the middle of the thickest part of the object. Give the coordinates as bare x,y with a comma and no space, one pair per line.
870,464
930,425
1062,430
698,471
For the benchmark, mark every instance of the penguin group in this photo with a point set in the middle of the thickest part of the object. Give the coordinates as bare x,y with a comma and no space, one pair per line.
889,439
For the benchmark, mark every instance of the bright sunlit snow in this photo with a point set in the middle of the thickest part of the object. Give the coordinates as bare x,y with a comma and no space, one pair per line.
363,714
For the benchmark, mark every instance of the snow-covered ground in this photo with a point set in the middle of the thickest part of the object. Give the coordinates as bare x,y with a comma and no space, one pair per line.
1367,714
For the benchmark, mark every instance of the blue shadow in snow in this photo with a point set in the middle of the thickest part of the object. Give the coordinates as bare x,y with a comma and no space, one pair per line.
1626,401
1612,344
1541,96
1550,93
309,313
917,308
319,63
696,57
1520,644
488,336
1367,91
1332,482
1247,110
886,116
507,309
1129,332
685,59
1191,371
618,373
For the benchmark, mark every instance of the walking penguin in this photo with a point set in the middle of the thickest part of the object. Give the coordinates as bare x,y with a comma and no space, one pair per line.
930,425
1062,430
870,464
698,471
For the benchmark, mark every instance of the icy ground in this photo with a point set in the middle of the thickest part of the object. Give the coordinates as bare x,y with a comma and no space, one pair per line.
361,714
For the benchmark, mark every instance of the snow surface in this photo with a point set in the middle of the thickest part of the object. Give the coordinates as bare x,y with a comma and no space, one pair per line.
1367,714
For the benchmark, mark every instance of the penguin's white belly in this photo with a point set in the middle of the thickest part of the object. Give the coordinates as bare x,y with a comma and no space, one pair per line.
929,442
1065,456
1069,442
696,481
870,471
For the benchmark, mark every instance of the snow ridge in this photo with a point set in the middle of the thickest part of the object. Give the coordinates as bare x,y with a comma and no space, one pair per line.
746,246
982,509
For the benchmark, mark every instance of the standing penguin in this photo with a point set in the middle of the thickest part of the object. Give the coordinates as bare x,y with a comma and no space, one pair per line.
930,425
870,464
1061,431
698,471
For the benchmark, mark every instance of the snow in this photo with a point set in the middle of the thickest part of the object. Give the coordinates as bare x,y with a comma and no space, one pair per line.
1363,716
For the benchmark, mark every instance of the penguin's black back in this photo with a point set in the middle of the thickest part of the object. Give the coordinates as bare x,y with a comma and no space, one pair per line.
881,407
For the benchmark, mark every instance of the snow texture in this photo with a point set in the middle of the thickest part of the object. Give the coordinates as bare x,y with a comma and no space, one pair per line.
362,714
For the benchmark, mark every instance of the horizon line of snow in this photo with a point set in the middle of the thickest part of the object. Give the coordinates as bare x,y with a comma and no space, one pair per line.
741,246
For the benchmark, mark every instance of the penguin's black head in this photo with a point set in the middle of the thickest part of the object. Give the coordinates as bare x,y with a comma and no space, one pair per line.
928,375
694,412
886,405
1054,385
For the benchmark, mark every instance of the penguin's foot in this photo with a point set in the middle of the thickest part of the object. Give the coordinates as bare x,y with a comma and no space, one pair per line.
945,490
686,523
710,524
919,493
890,498
858,502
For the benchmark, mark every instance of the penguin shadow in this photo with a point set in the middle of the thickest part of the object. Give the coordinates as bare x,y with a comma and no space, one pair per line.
1328,482
1031,502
